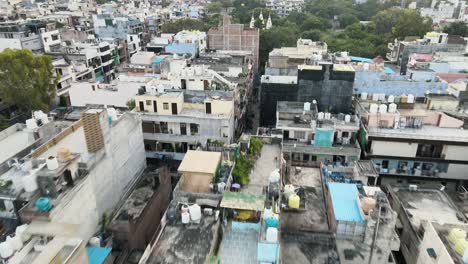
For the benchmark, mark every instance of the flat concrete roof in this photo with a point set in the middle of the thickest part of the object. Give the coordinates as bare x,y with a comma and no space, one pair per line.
75,142
425,133
200,161
308,248
14,143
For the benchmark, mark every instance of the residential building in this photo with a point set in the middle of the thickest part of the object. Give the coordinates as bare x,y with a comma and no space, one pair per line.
196,38
284,7
424,230
235,37
311,136
412,139
30,35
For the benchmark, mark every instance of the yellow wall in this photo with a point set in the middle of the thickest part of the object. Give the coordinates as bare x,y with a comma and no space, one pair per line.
160,100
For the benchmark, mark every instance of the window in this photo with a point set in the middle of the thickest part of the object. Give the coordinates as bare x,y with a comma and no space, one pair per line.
183,129
148,102
305,157
166,106
299,134
314,158
194,129
54,37
148,127
345,134
164,129
208,108
429,150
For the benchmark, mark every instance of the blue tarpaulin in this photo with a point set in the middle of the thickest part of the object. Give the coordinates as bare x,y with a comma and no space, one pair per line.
97,255
267,252
158,60
360,59
389,70
323,137
344,199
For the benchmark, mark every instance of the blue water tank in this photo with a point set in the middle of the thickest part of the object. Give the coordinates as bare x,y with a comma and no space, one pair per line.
43,205
271,222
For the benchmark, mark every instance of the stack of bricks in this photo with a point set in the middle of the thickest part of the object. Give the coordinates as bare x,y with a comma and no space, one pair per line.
92,130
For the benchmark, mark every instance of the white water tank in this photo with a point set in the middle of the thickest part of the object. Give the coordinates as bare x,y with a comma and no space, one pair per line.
306,106
20,232
38,114
31,123
5,250
383,108
52,163
274,176
392,108
363,96
382,97
15,242
44,119
29,183
391,99
195,213
272,235
366,66
373,108
112,113
375,97
185,218
410,99
327,116
288,190
95,242
347,118
321,115
267,212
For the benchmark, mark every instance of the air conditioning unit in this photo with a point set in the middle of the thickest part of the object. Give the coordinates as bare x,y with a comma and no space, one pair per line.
413,187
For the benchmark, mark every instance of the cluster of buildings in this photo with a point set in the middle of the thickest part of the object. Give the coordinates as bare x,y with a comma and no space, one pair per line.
173,148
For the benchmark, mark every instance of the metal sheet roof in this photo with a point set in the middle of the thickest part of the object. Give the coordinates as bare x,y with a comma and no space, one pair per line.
345,202
200,161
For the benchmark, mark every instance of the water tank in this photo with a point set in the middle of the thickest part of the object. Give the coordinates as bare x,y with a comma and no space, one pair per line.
29,183
15,242
31,123
347,118
185,218
383,108
273,191
20,232
306,106
294,201
52,163
171,215
267,212
195,213
375,97
363,96
95,242
368,204
288,190
272,235
274,176
456,234
271,222
321,115
410,99
112,113
38,114
44,119
5,250
382,97
366,66
327,116
392,108
63,154
461,245
404,99
373,108
465,257
43,205
391,99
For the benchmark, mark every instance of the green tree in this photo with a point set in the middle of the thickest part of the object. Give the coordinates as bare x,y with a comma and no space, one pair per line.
401,23
347,20
184,24
311,34
457,28
27,82
315,22
276,37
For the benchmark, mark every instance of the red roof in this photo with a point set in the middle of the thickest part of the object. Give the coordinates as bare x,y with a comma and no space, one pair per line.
451,77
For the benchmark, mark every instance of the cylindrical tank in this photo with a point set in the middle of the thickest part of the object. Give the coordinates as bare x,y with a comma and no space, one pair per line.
288,190
43,204
404,99
461,245
195,213
373,108
327,116
383,108
382,97
267,212
44,119
410,99
273,191
294,201
456,234
29,183
20,232
392,108
63,154
321,115
95,242
6,250
185,218
465,257
171,215
368,204
363,96
347,118
306,106
391,99
31,123
184,208
272,235
15,243
274,176
375,97
271,222
52,163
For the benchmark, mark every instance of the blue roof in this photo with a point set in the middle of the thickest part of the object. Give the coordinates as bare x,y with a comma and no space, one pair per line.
97,255
389,70
158,60
267,252
360,59
344,199
181,48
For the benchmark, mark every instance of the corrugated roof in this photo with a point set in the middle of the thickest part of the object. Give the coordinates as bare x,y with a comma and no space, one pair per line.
200,161
345,202
97,255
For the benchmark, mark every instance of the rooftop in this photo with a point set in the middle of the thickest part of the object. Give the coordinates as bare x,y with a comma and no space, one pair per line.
426,132
308,248
180,243
443,232
345,198
200,161
419,205
13,140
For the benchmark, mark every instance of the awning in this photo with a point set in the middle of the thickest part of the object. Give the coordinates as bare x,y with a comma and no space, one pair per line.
243,201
